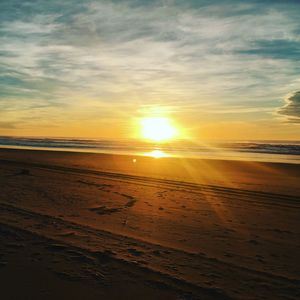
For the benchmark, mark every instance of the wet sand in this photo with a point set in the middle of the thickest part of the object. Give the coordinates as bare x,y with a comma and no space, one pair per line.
90,226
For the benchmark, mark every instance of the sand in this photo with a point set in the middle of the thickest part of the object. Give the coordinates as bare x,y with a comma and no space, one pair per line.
95,226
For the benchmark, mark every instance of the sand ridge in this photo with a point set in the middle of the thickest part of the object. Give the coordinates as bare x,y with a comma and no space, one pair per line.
195,240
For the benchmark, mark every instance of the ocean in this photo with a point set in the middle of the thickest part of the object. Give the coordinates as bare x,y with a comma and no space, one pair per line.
271,151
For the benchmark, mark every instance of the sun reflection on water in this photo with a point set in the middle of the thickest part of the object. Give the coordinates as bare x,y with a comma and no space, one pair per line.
156,154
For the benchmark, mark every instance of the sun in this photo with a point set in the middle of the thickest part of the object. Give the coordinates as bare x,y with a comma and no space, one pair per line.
158,129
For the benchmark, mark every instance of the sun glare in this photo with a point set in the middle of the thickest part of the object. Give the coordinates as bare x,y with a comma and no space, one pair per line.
156,154
158,129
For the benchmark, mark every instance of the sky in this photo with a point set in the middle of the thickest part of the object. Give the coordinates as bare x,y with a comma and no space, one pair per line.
217,69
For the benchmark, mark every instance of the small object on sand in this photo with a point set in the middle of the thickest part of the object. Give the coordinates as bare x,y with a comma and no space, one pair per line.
125,222
24,172
156,252
135,252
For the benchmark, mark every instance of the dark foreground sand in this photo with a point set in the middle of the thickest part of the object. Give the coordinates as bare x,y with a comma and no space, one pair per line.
90,226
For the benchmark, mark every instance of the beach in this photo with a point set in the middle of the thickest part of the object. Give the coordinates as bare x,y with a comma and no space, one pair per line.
89,226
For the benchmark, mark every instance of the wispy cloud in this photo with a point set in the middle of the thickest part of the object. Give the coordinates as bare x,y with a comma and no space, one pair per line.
132,53
7,125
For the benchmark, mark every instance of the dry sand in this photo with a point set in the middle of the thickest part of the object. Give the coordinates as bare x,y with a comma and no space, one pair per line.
91,226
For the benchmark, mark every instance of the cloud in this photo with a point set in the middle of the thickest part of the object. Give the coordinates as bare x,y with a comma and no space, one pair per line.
292,107
33,27
7,125
277,49
131,53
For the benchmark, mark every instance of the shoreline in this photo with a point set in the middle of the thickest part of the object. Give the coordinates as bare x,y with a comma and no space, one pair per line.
274,177
228,154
